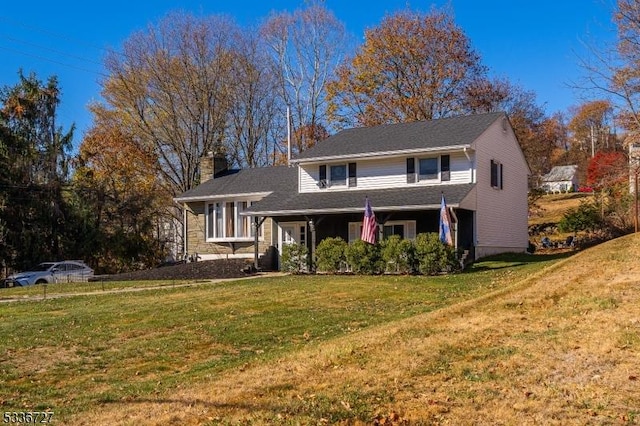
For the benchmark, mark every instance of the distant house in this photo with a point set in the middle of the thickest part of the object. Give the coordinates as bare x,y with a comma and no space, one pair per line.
560,179
403,169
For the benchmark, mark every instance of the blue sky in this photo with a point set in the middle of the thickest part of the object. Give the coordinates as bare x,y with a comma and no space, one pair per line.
536,45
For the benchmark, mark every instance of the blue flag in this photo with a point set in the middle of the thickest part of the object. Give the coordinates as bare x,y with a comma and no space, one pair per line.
445,223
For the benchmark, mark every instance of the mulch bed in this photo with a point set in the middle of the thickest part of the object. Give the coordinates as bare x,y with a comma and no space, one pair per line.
205,270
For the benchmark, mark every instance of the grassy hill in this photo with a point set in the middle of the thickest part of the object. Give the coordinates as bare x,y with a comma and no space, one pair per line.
516,340
552,207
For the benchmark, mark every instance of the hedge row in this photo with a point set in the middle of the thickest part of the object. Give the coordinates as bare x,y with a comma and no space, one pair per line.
426,255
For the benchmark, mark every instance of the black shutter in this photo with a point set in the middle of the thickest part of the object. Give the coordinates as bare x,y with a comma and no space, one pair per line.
353,181
322,183
494,174
501,174
411,170
445,168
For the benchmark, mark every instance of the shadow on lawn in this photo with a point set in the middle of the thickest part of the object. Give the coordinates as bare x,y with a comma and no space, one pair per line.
248,406
509,260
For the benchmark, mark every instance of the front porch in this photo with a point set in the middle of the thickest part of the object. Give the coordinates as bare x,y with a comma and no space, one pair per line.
310,230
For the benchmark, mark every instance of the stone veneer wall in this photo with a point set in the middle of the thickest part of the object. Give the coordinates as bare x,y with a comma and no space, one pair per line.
196,241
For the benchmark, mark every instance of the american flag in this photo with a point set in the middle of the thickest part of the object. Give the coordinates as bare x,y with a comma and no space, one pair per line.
445,223
369,225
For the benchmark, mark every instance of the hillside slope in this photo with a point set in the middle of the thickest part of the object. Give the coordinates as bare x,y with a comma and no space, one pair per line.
561,347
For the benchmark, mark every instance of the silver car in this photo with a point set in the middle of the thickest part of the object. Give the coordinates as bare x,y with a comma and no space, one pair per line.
51,272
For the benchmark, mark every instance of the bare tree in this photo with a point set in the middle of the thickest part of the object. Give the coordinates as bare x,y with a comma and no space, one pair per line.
169,89
254,118
614,71
306,47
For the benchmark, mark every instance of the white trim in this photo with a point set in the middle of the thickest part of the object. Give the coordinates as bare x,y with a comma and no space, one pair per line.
237,219
256,195
405,223
355,229
350,210
225,256
296,233
382,154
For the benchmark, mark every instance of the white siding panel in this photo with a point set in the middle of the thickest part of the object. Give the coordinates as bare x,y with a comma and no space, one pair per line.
461,168
379,174
385,173
501,217
309,178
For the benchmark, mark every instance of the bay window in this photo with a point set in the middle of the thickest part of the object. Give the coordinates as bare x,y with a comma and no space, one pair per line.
224,222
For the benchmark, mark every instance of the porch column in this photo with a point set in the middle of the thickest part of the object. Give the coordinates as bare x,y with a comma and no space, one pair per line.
312,229
255,227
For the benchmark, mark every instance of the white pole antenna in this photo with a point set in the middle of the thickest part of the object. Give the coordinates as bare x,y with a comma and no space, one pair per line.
288,137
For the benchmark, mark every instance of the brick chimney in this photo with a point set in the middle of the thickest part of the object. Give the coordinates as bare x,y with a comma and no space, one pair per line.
212,164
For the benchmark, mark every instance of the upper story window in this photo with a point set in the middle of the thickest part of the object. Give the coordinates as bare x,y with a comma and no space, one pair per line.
496,175
429,169
339,175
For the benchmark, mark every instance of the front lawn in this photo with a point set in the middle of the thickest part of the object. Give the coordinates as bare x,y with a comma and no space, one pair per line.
74,353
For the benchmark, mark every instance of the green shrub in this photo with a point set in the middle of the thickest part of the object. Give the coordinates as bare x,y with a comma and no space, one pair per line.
584,217
398,254
330,254
433,256
364,258
294,258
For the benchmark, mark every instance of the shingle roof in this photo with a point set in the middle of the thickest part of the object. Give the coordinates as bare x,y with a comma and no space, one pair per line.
439,133
421,197
560,173
246,181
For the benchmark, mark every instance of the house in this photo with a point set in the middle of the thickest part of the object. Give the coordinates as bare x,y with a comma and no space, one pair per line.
560,179
403,169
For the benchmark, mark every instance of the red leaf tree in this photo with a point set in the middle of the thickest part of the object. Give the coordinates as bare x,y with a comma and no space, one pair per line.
607,169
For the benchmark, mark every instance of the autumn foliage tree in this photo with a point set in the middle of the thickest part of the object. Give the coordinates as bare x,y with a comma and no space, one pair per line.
121,192
411,67
608,170
309,135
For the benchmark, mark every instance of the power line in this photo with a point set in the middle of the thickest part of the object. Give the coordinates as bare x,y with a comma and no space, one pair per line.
43,58
53,34
57,52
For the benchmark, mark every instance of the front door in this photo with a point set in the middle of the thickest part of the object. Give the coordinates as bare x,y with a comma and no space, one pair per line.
289,234
292,233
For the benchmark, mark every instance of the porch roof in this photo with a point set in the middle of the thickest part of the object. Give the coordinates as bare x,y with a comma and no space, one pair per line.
352,201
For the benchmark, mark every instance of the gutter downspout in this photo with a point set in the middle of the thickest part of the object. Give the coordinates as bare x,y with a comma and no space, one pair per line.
466,154
185,229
